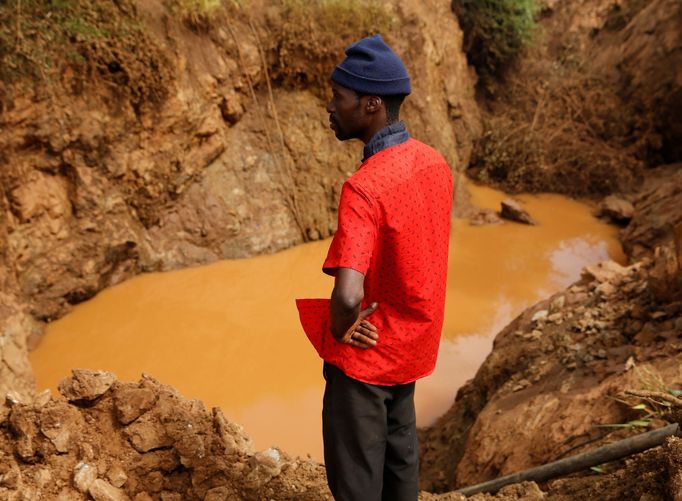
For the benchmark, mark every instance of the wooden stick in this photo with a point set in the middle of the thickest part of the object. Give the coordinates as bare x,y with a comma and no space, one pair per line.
579,462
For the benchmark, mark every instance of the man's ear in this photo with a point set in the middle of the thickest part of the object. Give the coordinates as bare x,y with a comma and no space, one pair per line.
373,104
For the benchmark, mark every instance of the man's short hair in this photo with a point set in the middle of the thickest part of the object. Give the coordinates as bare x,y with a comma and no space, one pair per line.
393,103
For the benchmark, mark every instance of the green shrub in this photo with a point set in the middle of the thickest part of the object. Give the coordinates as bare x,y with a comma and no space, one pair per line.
495,32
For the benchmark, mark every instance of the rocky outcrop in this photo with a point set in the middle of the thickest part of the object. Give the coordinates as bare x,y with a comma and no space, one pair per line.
17,328
640,44
590,105
94,192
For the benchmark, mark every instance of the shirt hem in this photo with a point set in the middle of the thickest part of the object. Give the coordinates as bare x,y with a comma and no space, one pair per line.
377,383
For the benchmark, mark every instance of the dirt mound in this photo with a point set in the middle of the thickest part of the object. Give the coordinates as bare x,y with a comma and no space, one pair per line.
116,441
553,376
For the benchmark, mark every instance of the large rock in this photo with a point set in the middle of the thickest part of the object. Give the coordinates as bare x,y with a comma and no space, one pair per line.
84,475
101,490
513,211
131,403
617,209
61,424
85,384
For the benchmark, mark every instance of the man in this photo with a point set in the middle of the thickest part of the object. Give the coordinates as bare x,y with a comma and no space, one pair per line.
389,259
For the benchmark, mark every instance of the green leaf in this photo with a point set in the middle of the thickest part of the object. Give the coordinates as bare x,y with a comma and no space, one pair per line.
639,422
597,469
676,393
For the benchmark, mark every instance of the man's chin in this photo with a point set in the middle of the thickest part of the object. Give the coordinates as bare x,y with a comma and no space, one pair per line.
341,136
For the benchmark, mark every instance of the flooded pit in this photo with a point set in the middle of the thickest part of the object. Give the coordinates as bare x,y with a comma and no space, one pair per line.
228,333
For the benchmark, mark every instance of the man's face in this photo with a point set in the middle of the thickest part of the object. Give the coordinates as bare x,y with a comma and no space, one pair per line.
346,113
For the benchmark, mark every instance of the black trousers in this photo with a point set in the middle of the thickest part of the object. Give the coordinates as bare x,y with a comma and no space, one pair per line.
370,439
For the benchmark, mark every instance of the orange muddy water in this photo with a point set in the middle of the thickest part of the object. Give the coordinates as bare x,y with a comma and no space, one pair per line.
228,333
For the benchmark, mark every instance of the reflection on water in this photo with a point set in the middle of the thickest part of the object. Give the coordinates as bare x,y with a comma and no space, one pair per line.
571,255
228,333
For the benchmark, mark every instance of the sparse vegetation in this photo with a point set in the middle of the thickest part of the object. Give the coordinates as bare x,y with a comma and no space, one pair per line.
40,39
495,32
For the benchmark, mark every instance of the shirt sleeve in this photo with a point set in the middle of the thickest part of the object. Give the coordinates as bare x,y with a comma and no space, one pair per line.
354,240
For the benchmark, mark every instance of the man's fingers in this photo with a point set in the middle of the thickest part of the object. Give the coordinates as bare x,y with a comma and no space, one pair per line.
362,340
368,325
360,344
367,332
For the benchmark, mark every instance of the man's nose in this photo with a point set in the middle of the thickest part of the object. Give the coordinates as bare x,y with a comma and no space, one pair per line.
330,106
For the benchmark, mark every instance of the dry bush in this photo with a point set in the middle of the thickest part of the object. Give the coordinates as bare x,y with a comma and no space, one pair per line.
201,15
559,129
309,36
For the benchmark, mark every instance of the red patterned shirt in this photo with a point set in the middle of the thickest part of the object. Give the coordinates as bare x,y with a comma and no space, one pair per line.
394,227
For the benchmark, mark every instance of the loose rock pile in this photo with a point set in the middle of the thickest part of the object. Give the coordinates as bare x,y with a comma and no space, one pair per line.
111,441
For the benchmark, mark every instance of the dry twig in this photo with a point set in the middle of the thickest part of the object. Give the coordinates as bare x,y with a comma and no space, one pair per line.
655,395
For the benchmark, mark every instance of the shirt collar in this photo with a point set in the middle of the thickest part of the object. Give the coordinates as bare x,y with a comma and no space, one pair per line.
390,135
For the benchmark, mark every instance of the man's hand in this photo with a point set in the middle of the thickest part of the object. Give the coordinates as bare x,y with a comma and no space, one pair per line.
362,334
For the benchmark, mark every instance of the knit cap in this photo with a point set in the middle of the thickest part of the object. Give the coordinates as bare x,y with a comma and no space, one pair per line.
371,67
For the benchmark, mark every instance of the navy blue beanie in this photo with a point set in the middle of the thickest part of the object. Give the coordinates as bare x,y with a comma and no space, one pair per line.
371,67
